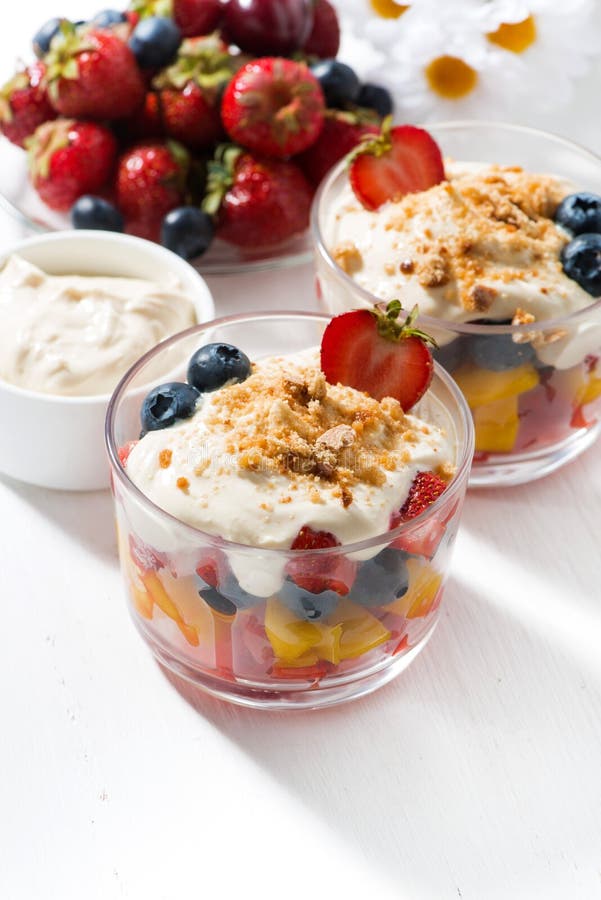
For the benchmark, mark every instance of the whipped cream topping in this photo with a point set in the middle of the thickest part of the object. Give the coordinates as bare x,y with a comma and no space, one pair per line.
261,459
481,244
76,335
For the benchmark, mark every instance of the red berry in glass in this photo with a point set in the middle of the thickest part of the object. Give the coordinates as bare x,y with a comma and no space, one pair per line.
268,27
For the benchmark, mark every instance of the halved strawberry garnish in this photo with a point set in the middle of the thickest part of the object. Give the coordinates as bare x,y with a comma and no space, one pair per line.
425,489
369,350
401,160
320,573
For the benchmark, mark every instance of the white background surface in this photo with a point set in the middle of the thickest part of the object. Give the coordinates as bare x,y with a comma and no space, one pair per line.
476,775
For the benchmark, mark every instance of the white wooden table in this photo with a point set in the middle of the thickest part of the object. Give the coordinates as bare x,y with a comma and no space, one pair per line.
477,774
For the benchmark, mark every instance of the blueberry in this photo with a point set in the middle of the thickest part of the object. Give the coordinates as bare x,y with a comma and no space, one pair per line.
187,231
581,260
306,605
96,213
373,96
382,579
167,403
580,213
450,355
236,594
215,364
338,81
108,17
499,352
217,601
43,37
155,41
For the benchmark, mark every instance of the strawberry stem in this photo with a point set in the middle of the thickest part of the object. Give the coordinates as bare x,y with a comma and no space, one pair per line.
392,330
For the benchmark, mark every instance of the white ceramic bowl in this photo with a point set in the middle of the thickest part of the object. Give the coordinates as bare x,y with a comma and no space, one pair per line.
54,441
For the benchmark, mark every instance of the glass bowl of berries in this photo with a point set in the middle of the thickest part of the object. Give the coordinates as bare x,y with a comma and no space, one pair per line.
284,527
206,130
495,231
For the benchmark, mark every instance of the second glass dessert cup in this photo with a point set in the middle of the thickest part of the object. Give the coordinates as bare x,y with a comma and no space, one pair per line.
262,653
538,411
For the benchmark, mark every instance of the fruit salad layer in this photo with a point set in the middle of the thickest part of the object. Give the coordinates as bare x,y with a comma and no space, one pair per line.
283,450
76,335
480,244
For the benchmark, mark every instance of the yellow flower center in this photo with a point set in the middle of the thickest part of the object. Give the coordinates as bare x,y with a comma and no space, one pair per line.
451,77
388,9
516,37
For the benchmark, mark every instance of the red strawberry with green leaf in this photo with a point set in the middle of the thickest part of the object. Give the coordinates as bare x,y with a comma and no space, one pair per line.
370,350
257,202
325,572
93,74
342,132
24,104
189,90
401,160
151,181
68,159
423,541
273,106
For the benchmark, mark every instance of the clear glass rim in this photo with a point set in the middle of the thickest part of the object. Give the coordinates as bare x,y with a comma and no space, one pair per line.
430,321
461,474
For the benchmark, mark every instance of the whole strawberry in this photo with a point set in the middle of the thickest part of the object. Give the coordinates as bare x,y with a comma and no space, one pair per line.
324,38
188,91
341,133
257,201
24,104
93,74
151,181
68,159
273,106
195,17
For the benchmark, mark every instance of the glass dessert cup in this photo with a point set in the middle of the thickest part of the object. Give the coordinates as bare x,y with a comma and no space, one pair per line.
262,654
539,412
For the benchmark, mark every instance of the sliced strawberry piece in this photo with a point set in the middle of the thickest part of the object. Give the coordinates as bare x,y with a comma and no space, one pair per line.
369,350
423,541
425,489
124,451
400,161
316,574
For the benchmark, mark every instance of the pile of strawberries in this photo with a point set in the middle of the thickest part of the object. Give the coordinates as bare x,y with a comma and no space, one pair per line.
177,120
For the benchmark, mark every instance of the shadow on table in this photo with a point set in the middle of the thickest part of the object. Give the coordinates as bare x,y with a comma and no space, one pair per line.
433,777
87,517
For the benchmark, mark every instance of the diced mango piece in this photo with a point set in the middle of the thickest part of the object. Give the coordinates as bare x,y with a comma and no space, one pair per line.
424,585
589,391
361,630
329,646
496,425
482,386
290,637
159,595
141,600
348,632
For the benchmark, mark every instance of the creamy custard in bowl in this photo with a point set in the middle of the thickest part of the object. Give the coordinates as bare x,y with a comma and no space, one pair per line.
480,244
74,335
284,449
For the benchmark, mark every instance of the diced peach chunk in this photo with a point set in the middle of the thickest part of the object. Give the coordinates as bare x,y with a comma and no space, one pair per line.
424,585
496,425
481,386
